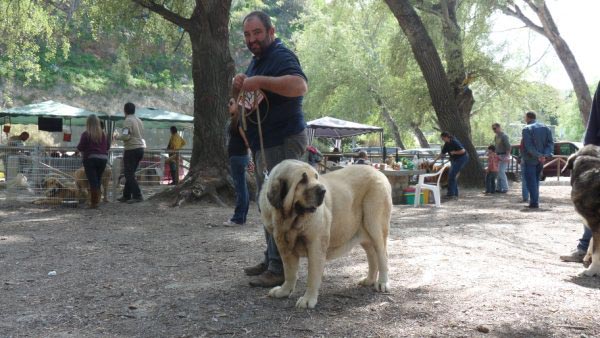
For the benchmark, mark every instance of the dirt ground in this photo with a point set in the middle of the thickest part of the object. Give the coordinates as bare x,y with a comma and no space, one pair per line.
147,270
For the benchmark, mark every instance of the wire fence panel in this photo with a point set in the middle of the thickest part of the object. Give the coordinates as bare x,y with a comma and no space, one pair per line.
55,176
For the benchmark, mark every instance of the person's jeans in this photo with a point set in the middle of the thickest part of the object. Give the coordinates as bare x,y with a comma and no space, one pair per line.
293,147
131,160
532,178
94,167
174,169
502,179
490,182
455,168
524,190
584,241
238,165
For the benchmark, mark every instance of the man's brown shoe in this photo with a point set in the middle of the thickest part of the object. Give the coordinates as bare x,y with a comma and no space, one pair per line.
255,270
267,280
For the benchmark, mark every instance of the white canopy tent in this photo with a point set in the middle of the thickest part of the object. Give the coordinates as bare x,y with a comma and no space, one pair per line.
329,127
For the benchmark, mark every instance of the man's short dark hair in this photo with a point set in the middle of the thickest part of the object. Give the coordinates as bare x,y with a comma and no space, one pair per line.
496,125
129,108
445,134
262,16
173,129
531,115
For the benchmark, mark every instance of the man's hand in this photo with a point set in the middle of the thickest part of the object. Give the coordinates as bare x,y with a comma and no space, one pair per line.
252,84
238,81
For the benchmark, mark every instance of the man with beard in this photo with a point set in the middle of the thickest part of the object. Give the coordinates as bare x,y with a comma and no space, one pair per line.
276,71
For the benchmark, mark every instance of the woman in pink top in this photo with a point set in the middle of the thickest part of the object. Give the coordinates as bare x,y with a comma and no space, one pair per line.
491,172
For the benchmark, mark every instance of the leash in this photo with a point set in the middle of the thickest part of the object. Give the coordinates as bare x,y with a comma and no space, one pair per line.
252,98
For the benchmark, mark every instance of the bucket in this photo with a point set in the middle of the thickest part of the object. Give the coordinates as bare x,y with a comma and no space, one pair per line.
409,196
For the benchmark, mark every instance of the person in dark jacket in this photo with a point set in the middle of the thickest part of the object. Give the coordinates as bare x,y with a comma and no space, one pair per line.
592,136
237,150
93,145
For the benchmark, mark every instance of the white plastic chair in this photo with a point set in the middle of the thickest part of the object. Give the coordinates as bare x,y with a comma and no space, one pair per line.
435,189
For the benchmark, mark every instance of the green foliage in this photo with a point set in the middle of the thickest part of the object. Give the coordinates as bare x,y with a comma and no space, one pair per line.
121,68
31,37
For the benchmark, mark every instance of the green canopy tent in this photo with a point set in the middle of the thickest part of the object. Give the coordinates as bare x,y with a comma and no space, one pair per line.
156,124
157,118
29,114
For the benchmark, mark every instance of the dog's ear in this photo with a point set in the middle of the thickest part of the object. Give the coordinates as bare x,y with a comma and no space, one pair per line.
278,189
570,162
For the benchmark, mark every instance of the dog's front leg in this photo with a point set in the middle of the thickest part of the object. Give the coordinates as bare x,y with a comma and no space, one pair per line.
594,254
316,263
290,271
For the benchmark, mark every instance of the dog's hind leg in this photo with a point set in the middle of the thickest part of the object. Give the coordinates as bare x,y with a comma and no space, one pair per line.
373,264
377,226
290,271
594,251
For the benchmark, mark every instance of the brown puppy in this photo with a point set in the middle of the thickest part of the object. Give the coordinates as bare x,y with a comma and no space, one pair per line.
84,186
585,194
323,217
56,192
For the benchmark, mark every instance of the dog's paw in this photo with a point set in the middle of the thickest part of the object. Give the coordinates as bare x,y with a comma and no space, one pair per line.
594,270
366,282
279,292
382,287
306,302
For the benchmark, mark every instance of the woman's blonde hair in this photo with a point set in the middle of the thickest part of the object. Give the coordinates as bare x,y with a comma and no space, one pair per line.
94,129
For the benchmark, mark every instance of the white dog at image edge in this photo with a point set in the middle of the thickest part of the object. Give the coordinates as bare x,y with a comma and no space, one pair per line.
321,217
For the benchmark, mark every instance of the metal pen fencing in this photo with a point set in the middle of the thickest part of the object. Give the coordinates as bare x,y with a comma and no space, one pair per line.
53,175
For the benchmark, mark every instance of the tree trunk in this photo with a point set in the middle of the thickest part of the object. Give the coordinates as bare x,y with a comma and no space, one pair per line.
448,105
212,71
390,121
423,143
550,31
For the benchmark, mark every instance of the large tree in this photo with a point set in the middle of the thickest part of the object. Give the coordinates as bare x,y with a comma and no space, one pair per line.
212,70
451,98
548,28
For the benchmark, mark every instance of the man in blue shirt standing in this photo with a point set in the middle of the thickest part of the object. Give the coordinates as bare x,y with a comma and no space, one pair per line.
538,144
274,70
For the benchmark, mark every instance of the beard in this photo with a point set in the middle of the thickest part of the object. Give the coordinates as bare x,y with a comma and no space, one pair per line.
259,47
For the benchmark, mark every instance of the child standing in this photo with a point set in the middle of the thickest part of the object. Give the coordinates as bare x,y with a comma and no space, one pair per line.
491,170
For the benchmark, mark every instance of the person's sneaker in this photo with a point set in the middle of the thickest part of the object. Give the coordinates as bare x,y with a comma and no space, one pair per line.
135,200
575,256
122,199
267,279
231,224
255,270
531,208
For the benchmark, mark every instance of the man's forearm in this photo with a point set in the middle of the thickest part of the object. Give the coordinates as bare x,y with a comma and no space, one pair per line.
287,85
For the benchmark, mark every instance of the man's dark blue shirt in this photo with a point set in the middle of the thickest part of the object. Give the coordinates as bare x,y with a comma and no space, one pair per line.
453,145
284,116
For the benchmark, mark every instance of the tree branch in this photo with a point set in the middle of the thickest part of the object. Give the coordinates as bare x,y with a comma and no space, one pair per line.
164,12
517,13
431,9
